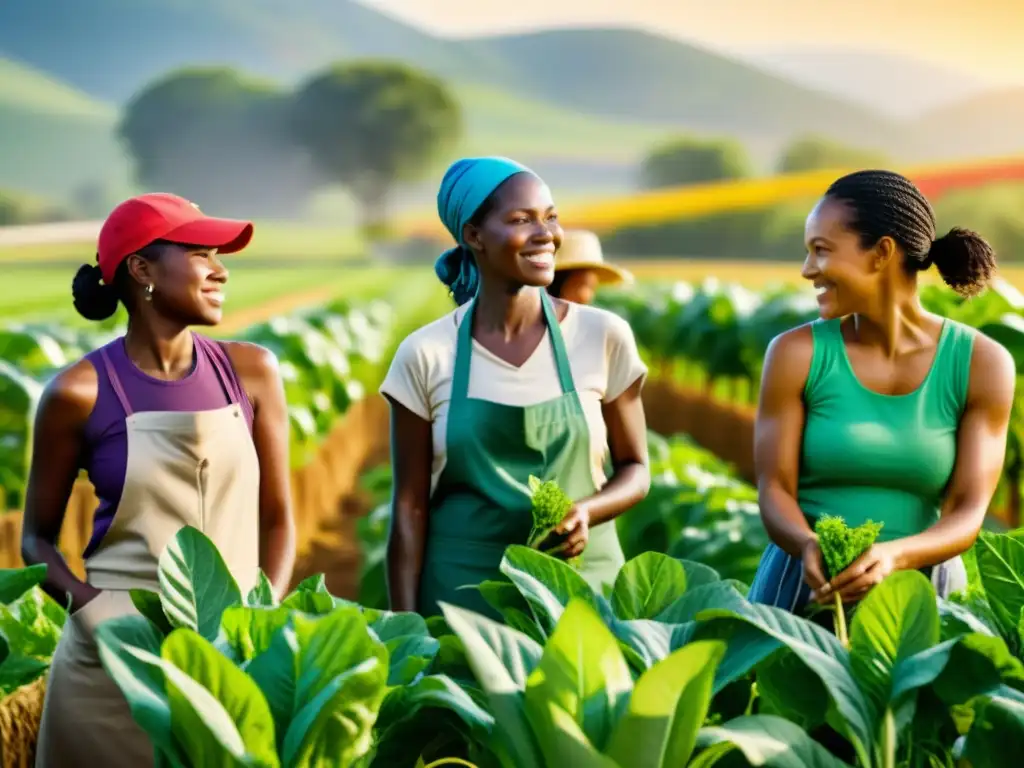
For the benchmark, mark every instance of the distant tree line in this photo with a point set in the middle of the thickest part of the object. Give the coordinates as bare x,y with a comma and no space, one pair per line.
776,232
244,146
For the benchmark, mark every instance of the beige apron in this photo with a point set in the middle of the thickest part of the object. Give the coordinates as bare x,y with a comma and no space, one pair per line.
184,468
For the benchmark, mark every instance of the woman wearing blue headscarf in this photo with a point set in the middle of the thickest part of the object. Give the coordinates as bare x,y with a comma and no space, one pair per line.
513,383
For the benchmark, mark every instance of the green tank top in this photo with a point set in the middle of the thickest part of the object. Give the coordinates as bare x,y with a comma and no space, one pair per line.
886,458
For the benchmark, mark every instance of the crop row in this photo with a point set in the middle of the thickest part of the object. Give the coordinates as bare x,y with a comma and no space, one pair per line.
670,667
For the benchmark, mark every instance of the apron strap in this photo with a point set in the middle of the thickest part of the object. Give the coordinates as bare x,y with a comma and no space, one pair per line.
464,350
218,359
557,344
115,382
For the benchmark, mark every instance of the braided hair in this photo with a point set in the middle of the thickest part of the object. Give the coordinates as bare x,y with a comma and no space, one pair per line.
883,203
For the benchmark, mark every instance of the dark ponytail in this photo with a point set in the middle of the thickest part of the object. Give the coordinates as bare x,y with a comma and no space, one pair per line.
93,299
965,260
886,204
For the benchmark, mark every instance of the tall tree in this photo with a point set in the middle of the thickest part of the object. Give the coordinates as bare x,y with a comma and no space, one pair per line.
220,137
691,160
811,153
371,125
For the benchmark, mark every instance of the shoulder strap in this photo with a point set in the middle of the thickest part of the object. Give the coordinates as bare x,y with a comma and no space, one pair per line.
114,379
827,336
956,347
220,360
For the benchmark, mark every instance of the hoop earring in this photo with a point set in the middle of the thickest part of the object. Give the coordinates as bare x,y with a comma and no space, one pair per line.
149,292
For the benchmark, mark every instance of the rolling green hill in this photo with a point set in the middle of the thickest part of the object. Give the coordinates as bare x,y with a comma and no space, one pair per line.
60,139
627,74
65,139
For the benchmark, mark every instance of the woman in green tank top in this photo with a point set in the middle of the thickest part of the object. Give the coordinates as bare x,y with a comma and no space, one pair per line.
879,410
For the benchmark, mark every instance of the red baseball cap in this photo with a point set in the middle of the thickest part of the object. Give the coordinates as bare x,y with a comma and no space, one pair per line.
139,221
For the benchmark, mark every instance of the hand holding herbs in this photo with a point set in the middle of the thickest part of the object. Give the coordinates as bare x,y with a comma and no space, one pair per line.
550,505
840,546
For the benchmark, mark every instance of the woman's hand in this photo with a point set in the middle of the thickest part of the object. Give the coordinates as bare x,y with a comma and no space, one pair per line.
814,569
861,575
572,534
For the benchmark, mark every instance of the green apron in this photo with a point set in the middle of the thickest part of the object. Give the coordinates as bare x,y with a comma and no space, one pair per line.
482,500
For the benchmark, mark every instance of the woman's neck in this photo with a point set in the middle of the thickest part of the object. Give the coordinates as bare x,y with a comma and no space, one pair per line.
508,310
896,316
159,347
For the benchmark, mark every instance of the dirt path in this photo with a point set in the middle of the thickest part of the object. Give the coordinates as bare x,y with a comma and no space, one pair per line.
282,305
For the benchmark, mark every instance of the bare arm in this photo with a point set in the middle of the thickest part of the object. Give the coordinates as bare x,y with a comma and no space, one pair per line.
60,419
981,450
627,443
258,369
778,435
411,460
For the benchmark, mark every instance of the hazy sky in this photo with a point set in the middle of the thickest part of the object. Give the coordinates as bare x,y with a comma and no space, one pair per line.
984,38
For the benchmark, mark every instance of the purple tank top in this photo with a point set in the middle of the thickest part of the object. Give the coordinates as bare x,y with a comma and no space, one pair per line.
211,384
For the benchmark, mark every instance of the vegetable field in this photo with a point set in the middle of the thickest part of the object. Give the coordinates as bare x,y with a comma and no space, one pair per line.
671,666
330,355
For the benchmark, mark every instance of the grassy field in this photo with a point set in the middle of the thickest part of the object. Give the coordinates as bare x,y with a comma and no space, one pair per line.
254,293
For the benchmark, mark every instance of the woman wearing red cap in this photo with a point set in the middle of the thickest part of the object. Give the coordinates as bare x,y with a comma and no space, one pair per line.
173,429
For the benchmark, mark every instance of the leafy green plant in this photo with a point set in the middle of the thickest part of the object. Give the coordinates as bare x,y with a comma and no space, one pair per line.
312,680
840,545
30,627
897,665
574,702
549,505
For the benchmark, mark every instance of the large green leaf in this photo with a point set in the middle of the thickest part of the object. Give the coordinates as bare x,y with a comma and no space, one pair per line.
502,660
547,583
215,707
1000,560
892,625
667,709
997,732
508,601
583,673
822,653
410,656
14,582
766,740
324,678
195,583
249,632
647,585
129,648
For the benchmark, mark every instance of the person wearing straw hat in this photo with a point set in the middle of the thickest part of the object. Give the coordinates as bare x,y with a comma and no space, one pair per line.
580,268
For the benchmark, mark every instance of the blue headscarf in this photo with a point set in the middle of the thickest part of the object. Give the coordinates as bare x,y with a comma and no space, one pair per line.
466,185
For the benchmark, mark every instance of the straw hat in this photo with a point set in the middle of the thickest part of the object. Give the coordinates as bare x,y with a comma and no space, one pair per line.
582,250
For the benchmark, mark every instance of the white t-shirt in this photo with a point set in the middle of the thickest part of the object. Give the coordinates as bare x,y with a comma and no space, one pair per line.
602,355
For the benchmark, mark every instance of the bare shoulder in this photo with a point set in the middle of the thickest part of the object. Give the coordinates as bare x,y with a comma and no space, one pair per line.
993,372
253,363
787,361
72,393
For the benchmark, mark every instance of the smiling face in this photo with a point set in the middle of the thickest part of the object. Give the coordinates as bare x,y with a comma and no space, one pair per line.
844,273
188,282
516,239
